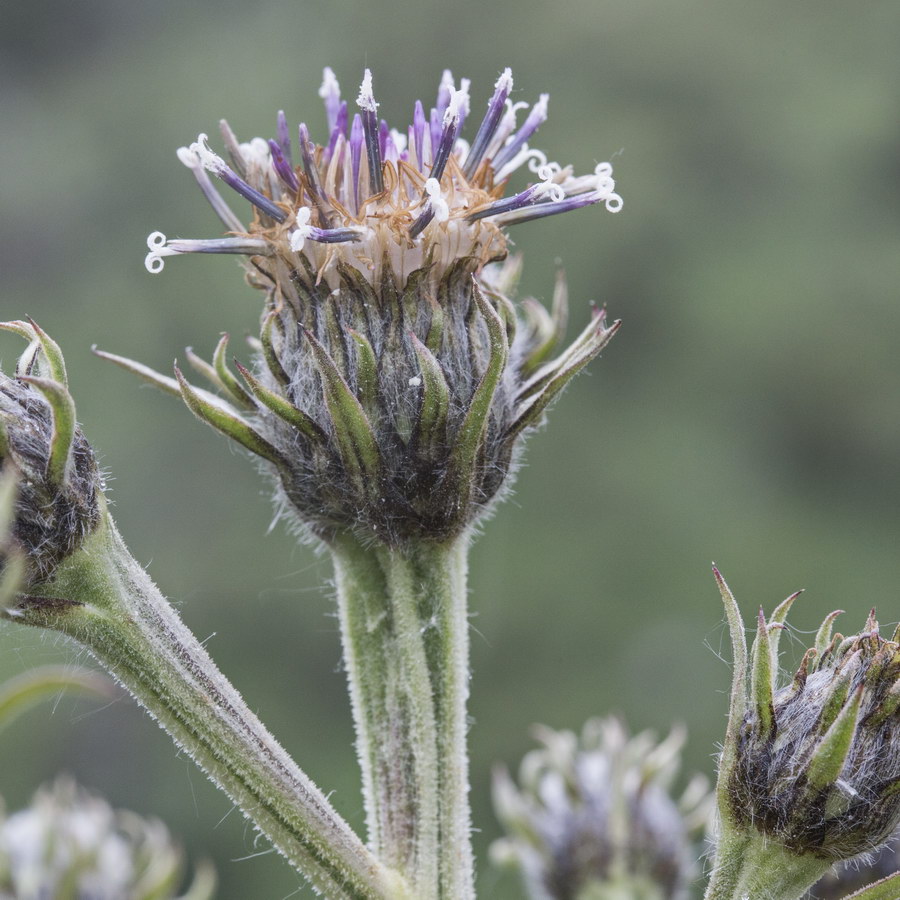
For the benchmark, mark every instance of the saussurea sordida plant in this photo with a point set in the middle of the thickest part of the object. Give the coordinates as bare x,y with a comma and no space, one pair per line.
386,399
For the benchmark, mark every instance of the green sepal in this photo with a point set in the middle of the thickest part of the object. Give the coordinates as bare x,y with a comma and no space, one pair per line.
21,693
366,372
282,408
831,752
835,702
776,626
214,412
151,376
737,706
268,348
469,438
530,411
889,705
823,637
431,427
202,367
31,331
63,407
226,379
548,328
356,441
761,688
884,889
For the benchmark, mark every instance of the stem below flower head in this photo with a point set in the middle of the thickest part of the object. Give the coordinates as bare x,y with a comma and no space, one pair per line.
761,870
101,597
405,634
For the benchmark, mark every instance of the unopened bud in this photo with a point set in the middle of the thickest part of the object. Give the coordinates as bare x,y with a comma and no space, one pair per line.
58,483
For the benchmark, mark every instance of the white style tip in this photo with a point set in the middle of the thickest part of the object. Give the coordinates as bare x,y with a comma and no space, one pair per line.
366,98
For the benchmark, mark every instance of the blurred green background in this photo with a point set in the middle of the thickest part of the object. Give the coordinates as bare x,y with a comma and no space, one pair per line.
748,412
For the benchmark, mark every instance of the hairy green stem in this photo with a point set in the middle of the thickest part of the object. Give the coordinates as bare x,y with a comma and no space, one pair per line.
749,866
102,598
405,633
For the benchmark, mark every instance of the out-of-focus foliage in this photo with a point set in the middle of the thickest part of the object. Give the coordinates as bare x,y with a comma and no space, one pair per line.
748,412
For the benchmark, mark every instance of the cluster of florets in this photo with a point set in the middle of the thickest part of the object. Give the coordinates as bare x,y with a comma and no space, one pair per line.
393,376
375,198
69,843
816,763
595,816
59,485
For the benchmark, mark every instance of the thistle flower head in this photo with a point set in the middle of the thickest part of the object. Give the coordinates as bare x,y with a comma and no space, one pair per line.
381,200
393,376
813,765
595,817
69,843
58,483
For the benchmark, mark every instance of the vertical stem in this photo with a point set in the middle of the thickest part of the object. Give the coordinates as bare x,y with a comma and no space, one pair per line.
405,633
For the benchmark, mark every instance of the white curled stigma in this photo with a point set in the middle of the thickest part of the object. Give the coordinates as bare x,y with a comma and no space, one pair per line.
210,161
535,159
548,174
606,187
439,206
156,244
303,229
188,158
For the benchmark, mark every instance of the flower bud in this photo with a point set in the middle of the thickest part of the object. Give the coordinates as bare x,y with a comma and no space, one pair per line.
595,817
58,483
394,378
68,843
813,765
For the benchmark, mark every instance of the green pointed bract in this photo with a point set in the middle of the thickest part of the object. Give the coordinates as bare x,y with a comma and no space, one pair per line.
202,367
151,376
776,626
889,706
885,889
761,686
266,339
831,753
738,702
366,373
435,327
530,411
282,408
226,379
214,413
823,635
353,433
548,327
431,426
63,407
471,433
55,364
834,703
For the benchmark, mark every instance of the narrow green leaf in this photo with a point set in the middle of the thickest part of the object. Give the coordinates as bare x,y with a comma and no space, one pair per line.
366,373
776,626
31,331
761,688
431,426
468,440
531,410
282,407
222,418
356,441
884,889
157,379
202,367
226,379
823,637
269,352
738,702
21,693
63,408
831,753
